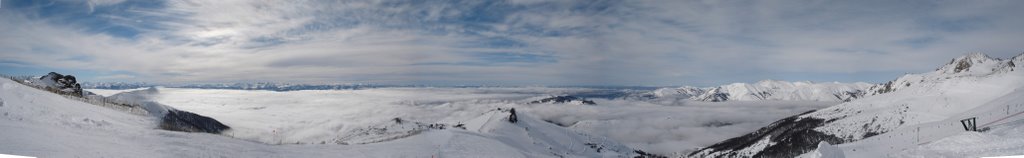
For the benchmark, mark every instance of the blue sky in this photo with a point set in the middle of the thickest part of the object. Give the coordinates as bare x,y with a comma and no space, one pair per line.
512,42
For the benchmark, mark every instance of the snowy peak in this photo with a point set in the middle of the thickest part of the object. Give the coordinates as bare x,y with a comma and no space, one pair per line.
763,90
685,91
969,62
970,65
968,87
1013,63
777,83
783,90
716,94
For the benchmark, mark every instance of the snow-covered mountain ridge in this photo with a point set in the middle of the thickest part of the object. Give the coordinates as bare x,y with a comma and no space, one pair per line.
767,90
965,83
971,65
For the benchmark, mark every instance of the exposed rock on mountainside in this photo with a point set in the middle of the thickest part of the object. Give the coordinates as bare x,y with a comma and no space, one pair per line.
964,83
763,90
177,120
563,100
788,137
64,84
170,118
974,64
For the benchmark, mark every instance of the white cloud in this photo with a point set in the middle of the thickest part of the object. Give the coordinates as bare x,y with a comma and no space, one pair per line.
590,42
91,4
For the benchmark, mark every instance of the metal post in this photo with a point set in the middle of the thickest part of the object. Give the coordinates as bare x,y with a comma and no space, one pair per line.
918,135
969,124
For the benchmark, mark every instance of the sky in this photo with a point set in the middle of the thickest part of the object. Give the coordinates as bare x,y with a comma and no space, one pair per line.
500,42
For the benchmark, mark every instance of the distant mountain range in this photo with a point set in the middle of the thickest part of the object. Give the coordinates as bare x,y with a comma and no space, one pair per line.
238,86
763,90
964,84
767,90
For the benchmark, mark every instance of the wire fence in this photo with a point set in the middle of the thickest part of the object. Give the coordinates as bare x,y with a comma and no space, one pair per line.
919,134
133,108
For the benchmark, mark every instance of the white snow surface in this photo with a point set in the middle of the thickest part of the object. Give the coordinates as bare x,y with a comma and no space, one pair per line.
316,116
920,109
43,124
927,109
1002,140
932,96
824,150
999,114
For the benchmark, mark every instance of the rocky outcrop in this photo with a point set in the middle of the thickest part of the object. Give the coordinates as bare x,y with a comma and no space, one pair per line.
176,120
563,100
170,118
64,84
716,94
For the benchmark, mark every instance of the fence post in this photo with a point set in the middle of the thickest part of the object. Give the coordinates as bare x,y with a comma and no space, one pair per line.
969,124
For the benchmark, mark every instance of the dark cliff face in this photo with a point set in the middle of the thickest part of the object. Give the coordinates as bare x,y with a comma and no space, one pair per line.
788,137
185,121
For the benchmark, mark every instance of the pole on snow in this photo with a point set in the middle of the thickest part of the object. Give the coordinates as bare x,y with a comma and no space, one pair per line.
970,124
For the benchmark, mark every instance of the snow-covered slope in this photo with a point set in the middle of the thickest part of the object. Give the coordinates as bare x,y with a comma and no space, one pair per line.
1000,140
315,116
971,65
782,90
765,90
932,96
966,83
998,111
39,123
682,92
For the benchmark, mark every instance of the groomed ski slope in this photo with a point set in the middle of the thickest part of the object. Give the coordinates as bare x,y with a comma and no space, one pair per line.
999,111
1001,140
930,106
43,124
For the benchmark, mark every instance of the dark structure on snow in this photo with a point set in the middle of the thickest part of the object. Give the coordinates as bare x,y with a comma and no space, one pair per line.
563,99
62,84
185,121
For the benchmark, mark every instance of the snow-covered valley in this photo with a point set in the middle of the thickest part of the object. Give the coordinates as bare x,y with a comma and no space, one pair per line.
916,115
330,116
350,122
49,125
